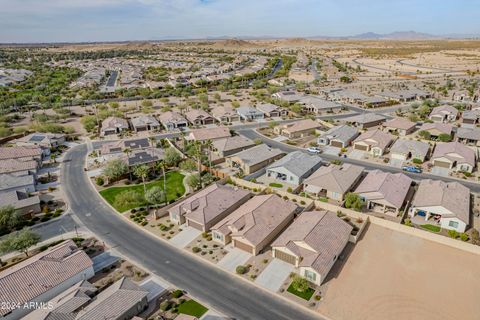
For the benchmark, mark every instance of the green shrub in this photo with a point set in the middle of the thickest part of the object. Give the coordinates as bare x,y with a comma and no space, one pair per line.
417,161
177,293
318,297
453,234
289,189
99,181
196,249
165,305
464,236
241,269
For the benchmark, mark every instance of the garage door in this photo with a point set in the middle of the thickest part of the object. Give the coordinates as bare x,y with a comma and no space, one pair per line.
195,225
337,144
285,257
441,164
360,147
243,246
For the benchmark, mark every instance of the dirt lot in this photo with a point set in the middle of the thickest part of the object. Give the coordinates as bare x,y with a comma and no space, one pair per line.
391,275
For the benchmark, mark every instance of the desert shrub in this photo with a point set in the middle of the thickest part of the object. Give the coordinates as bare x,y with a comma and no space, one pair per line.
453,234
464,236
99,181
177,293
241,269
196,249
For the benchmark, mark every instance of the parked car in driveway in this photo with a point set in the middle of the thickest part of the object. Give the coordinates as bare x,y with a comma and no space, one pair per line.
314,150
412,169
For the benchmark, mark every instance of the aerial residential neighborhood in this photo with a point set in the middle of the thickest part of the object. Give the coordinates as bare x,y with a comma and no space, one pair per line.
207,160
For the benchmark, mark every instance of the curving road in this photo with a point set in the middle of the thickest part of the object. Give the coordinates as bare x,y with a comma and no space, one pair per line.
222,291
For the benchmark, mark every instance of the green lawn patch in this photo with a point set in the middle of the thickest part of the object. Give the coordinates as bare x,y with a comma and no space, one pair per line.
431,227
175,189
192,308
275,185
307,294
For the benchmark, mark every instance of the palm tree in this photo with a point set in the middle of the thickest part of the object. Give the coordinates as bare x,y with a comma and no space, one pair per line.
209,145
161,165
127,151
152,141
197,153
142,172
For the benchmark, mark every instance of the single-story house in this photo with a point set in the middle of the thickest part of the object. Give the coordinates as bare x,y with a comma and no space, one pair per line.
19,199
225,114
272,111
385,192
255,223
298,129
42,277
339,136
399,125
470,118
405,95
288,96
469,136
443,114
294,167
454,156
10,182
24,153
204,134
225,147
145,123
442,203
44,140
172,120
113,125
208,206
314,104
143,156
250,113
254,159
409,150
19,167
375,142
365,120
436,129
313,243
199,117
333,181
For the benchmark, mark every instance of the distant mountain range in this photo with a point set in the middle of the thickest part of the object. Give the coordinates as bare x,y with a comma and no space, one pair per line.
401,35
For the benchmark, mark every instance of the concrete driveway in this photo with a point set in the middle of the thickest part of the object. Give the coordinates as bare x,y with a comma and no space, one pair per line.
274,275
331,150
187,235
103,260
234,258
155,288
397,163
357,154
444,172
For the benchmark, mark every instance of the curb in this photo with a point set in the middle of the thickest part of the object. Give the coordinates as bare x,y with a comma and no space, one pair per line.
206,262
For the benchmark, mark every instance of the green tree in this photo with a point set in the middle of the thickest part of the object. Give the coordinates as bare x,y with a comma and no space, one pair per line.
142,172
300,284
188,165
115,169
9,218
353,201
155,195
445,137
19,241
193,181
171,157
425,135
89,122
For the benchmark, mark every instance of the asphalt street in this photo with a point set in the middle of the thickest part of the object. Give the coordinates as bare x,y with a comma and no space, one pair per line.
219,289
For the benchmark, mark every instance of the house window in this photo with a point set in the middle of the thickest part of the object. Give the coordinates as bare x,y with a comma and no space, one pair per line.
453,224
309,275
217,236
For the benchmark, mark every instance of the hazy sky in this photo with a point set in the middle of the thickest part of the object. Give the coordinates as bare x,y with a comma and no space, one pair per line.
111,20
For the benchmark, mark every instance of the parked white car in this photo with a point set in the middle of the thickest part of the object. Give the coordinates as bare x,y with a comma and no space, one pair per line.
314,150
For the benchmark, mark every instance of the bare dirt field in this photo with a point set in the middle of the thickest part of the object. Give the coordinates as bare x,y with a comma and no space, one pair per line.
391,275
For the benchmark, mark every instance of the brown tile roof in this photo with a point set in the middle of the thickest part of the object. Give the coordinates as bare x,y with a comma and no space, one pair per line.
379,185
20,152
113,123
196,114
209,203
42,272
302,125
375,138
171,116
335,178
223,111
209,133
399,123
232,143
442,127
452,196
14,165
256,219
323,232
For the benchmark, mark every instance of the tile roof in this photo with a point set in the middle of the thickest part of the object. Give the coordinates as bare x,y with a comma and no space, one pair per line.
323,233
335,178
379,185
399,123
442,127
467,133
375,138
209,203
143,156
29,279
455,151
113,123
171,116
452,196
268,107
302,125
257,154
416,148
256,219
14,165
120,145
223,111
195,114
144,120
342,133
442,110
232,143
209,133
297,162
9,181
20,152
364,118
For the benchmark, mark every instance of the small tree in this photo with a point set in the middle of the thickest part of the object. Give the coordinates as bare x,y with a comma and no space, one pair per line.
300,284
115,169
193,181
444,137
353,201
171,157
425,135
155,195
19,241
9,218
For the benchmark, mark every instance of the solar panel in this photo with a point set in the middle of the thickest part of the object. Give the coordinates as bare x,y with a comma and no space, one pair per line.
36,138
